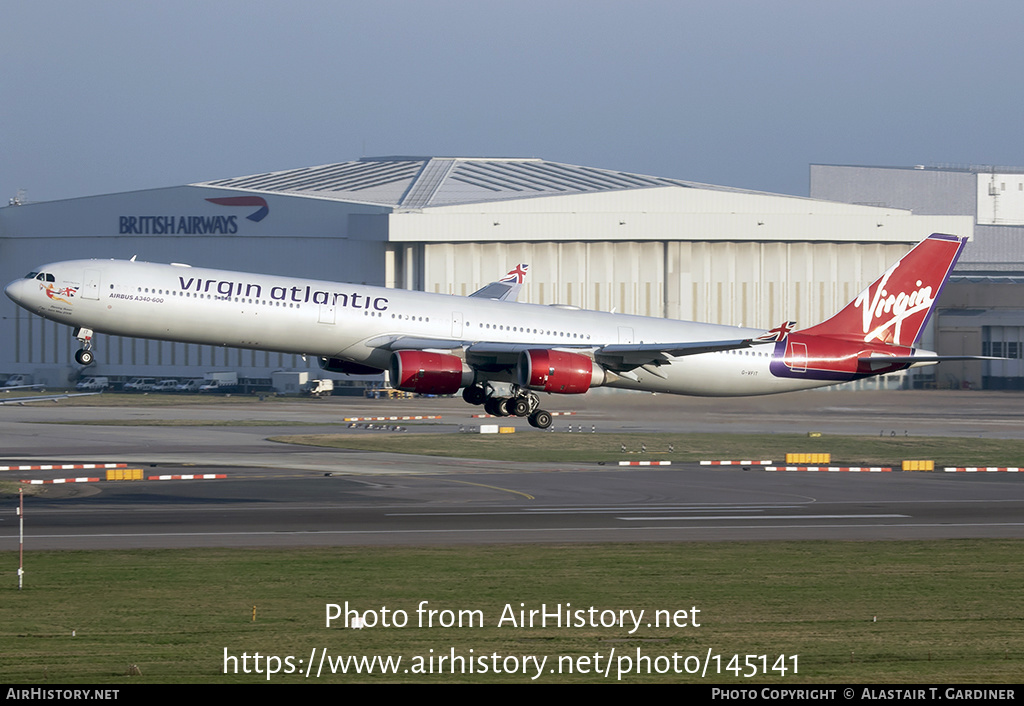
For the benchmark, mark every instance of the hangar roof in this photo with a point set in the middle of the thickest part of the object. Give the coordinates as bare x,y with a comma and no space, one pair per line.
419,182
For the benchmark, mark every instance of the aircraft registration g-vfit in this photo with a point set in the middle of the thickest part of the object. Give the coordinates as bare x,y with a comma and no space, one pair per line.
438,344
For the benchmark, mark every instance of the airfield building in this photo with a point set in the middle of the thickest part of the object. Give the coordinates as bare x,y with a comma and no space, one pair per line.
594,238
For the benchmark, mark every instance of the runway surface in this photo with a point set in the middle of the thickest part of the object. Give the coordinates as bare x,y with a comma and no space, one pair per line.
279,495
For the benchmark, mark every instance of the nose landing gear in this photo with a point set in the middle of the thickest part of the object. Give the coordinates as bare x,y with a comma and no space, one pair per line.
84,355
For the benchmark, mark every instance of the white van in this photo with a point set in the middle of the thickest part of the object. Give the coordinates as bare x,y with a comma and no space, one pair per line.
18,380
93,384
139,385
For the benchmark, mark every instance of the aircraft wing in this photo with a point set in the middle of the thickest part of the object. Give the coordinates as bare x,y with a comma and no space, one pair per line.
409,343
483,355
46,398
625,356
492,356
487,355
505,288
497,356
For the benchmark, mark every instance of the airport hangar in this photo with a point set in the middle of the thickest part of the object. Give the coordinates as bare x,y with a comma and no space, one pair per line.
593,238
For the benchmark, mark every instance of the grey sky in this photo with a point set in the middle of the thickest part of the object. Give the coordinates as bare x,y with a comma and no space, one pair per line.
113,96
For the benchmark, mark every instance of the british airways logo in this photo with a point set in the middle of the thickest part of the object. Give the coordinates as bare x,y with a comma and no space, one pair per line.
195,225
884,313
258,215
178,225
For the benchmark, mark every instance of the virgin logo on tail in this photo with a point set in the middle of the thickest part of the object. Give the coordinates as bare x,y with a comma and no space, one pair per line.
901,306
894,309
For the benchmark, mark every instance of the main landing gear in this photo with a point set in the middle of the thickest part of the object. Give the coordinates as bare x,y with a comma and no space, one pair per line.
84,355
521,403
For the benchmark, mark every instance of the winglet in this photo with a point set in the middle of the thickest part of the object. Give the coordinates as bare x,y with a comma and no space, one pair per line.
778,333
505,288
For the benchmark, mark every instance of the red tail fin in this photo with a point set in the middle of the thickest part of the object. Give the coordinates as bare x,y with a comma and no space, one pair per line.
895,308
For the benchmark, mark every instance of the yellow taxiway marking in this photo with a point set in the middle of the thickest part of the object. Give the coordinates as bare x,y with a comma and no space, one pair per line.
493,487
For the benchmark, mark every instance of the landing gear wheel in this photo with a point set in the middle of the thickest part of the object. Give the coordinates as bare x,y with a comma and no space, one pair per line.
508,406
84,357
474,394
540,419
495,406
518,406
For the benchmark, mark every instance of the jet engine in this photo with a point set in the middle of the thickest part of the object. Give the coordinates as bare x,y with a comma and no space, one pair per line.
429,373
558,371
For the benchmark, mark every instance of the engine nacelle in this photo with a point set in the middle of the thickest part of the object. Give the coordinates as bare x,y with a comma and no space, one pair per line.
558,372
337,365
429,373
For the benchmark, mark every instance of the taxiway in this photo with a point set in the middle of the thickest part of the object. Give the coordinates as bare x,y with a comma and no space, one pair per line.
279,495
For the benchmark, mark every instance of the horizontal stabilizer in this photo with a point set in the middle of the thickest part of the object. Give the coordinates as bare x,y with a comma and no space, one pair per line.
931,358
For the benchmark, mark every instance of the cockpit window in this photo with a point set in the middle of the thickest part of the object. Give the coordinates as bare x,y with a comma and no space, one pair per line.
31,275
45,277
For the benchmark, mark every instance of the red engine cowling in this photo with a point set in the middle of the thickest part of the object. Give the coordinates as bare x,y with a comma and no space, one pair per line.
558,371
429,373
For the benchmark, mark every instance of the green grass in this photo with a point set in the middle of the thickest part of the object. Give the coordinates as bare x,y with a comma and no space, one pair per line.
875,612
146,399
586,447
192,423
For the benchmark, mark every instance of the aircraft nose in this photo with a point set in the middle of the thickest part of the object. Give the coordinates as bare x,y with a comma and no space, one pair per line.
15,291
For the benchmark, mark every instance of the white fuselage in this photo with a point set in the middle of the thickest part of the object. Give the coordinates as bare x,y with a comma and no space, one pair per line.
357,322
